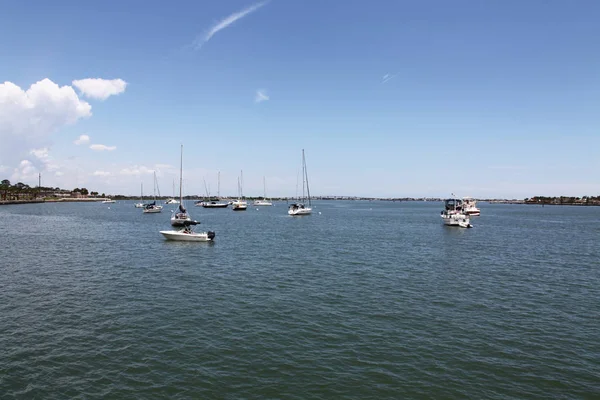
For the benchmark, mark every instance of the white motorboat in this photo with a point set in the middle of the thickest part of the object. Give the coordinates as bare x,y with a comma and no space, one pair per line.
212,204
240,204
297,209
108,201
180,217
188,235
453,214
153,208
264,201
470,206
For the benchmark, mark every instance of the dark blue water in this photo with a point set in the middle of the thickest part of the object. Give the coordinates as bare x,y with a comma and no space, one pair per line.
367,300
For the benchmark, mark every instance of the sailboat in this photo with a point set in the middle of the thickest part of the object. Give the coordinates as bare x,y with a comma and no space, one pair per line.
239,204
181,216
172,200
153,208
300,208
209,203
264,201
141,203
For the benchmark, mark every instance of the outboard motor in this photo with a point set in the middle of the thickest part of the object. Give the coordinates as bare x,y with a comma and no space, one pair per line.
211,235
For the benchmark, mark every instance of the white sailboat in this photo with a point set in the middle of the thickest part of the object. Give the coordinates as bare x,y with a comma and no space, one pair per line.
141,203
153,208
180,216
264,201
239,204
300,208
172,200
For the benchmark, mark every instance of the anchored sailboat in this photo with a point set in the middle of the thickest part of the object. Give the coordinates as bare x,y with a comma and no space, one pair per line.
239,204
152,208
264,201
181,216
300,207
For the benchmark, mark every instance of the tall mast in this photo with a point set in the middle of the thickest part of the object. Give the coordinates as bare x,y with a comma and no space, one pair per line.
264,188
306,176
181,176
219,184
303,175
154,189
242,183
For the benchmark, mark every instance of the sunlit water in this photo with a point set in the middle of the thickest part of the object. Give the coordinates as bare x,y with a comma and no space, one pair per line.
361,300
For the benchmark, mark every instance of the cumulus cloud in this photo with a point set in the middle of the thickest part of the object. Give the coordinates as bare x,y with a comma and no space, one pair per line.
26,171
102,147
29,117
83,139
100,89
101,173
261,95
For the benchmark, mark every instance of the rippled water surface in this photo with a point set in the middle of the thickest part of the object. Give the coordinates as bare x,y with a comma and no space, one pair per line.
366,300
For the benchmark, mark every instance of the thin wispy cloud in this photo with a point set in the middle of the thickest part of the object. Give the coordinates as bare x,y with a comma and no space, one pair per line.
102,147
224,23
261,95
388,77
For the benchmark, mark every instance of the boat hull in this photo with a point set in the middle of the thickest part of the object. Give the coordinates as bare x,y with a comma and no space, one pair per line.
216,205
458,220
179,221
153,210
300,211
262,203
182,236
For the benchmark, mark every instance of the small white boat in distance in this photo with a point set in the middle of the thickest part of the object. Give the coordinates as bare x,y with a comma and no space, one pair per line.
188,235
152,208
172,201
141,203
299,209
453,214
262,203
239,204
109,201
470,206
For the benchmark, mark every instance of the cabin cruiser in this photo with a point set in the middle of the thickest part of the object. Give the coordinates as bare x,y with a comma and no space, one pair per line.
454,215
470,206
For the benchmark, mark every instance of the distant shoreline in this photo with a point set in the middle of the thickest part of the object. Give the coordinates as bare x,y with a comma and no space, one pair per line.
290,199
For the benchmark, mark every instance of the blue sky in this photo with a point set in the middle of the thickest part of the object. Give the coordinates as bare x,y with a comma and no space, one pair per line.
488,99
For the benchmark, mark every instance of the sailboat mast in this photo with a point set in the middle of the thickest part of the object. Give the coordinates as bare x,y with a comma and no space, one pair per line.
264,188
306,176
303,175
219,184
242,183
181,176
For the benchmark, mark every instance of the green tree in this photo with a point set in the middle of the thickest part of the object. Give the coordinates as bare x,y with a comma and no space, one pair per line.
84,191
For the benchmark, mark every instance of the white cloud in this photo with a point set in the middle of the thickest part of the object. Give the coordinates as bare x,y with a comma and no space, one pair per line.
102,147
224,23
26,171
101,89
136,170
261,95
83,139
101,173
28,118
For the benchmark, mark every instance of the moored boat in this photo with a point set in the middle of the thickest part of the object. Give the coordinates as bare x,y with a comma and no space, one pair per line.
453,214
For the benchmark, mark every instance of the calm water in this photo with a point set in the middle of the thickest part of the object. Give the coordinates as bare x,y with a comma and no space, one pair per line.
368,300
